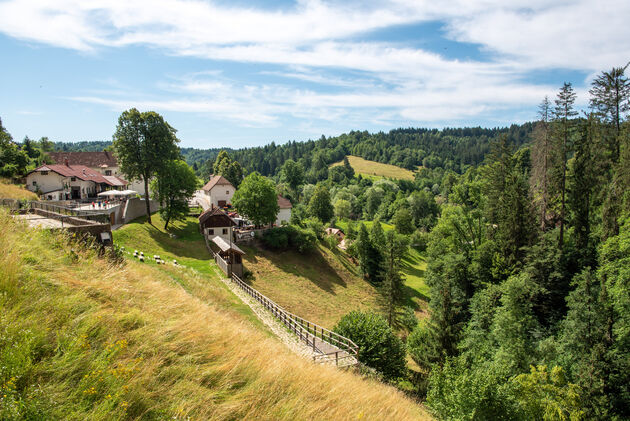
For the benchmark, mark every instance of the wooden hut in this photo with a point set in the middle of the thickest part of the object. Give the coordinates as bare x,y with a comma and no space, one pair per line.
228,256
215,222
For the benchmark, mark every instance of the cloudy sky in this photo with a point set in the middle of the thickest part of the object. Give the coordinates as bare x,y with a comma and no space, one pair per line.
242,73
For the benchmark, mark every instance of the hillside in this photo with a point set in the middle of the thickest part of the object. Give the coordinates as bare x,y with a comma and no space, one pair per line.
321,286
374,169
13,191
84,338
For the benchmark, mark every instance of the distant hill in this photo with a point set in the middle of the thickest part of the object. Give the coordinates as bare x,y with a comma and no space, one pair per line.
450,148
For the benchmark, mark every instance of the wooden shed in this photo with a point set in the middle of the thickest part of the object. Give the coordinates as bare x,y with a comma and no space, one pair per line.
228,256
216,222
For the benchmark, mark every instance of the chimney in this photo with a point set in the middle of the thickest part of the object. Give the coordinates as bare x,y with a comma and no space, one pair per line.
65,161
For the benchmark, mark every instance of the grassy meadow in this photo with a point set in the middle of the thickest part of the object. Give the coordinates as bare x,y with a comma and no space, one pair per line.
84,338
320,286
374,169
13,191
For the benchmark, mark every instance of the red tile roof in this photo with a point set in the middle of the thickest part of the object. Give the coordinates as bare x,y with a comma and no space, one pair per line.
82,173
284,203
217,180
89,159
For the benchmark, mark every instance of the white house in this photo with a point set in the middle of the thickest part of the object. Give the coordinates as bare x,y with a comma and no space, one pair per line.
103,162
219,192
284,215
65,182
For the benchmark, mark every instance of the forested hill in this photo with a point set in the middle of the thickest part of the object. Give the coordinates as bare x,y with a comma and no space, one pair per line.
450,148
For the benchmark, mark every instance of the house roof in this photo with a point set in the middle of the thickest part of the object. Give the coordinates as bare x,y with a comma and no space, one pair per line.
82,173
284,203
217,213
334,231
225,246
217,180
100,159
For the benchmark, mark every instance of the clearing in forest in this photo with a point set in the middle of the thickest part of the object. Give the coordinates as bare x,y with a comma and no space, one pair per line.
374,169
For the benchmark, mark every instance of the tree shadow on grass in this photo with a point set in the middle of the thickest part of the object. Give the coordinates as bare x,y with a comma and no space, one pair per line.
312,266
409,294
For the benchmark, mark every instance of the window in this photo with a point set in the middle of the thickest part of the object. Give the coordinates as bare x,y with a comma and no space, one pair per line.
210,232
108,172
227,192
34,183
224,231
73,179
44,172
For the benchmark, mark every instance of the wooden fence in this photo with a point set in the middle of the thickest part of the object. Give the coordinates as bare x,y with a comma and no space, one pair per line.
329,346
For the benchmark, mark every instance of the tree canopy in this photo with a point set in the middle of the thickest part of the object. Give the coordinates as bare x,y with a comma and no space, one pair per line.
256,199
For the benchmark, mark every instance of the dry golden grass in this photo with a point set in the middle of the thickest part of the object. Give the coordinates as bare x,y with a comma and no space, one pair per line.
321,286
374,169
13,191
129,342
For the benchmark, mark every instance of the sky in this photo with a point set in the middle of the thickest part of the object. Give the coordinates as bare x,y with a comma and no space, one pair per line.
239,73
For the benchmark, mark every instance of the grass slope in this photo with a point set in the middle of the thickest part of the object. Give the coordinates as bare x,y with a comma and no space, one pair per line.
320,286
13,191
81,339
374,169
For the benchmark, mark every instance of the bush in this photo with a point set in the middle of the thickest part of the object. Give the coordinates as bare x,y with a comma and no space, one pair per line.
420,240
331,241
379,347
316,226
290,236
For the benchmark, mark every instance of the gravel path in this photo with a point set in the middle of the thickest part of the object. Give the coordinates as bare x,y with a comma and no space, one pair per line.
278,329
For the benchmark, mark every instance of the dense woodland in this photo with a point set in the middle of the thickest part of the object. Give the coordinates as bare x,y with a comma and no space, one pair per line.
527,235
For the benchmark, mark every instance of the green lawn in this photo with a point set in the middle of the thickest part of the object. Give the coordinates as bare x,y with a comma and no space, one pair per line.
374,170
368,224
416,290
187,247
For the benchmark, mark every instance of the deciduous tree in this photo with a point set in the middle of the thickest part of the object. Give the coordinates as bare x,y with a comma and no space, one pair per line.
145,143
173,186
256,199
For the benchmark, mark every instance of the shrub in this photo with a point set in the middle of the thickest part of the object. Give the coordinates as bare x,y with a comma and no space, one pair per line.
289,236
331,241
316,226
379,347
276,238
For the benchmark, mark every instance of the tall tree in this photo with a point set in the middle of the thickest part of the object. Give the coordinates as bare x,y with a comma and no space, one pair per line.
582,182
319,206
256,199
563,120
542,156
173,185
369,256
610,95
145,143
227,167
293,174
395,248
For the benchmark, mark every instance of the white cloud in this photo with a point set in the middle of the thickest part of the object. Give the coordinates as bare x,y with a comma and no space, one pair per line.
314,39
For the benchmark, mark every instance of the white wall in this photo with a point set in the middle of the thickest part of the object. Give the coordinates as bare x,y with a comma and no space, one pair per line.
218,231
221,193
283,215
45,183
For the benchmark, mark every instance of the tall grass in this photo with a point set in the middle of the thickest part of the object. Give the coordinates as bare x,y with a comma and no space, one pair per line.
81,338
12,191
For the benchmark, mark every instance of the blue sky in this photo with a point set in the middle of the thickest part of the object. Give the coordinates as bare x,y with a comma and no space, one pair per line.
241,73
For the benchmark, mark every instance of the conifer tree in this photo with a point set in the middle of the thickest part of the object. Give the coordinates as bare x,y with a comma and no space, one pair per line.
564,126
542,156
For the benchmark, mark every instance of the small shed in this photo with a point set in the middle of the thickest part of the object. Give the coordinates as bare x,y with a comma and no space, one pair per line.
228,256
336,232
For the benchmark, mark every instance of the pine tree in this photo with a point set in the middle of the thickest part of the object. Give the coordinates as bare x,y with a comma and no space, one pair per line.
610,95
395,248
564,126
542,156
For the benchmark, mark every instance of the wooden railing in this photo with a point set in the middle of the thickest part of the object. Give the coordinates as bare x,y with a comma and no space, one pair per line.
308,332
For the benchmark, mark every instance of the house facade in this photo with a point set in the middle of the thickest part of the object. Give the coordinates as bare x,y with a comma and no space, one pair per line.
284,214
103,162
68,182
216,223
218,192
